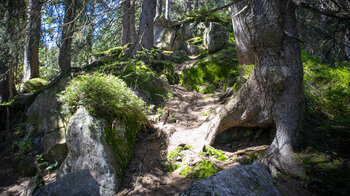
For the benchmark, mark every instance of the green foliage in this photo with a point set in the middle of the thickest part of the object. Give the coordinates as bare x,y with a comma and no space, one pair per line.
105,96
138,75
33,85
218,154
171,164
201,170
41,162
22,146
195,41
202,15
115,52
217,71
327,87
326,174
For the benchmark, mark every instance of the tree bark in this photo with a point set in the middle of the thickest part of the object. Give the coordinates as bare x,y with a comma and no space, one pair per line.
65,53
244,54
167,9
189,6
273,93
159,8
126,23
91,28
132,22
32,41
196,4
145,34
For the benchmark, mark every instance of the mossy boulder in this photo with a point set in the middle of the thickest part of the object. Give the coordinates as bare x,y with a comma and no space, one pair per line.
215,37
91,147
32,85
47,122
240,180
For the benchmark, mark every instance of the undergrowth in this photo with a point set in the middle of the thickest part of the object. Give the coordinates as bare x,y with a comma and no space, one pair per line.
219,70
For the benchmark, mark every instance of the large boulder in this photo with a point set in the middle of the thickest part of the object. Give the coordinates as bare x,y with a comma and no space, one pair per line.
47,122
241,180
166,36
79,183
88,149
215,37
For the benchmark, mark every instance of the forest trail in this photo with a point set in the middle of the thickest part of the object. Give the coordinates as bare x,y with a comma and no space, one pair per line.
187,110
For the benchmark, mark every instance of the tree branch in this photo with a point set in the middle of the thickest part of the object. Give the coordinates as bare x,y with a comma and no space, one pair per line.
340,13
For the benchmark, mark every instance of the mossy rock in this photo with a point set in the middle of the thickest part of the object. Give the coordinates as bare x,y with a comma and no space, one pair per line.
33,85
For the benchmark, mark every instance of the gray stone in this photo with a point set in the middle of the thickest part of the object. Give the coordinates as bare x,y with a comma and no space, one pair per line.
88,149
45,119
192,49
215,37
241,180
79,183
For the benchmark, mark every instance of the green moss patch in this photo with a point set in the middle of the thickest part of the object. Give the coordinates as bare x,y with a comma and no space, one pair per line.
33,85
201,170
218,154
170,163
219,70
325,174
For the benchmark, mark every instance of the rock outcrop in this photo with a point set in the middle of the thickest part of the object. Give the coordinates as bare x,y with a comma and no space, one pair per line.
79,183
215,37
241,180
166,36
47,123
88,149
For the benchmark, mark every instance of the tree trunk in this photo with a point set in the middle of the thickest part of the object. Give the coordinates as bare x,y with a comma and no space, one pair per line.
167,9
132,22
196,5
65,54
126,23
91,28
273,93
145,34
32,41
244,54
159,8
189,6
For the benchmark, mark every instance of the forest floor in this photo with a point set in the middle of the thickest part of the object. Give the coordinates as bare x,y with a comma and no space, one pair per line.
146,173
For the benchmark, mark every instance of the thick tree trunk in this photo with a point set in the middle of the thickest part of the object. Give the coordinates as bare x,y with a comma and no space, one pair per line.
65,54
145,34
167,9
273,93
244,53
32,41
159,8
189,6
